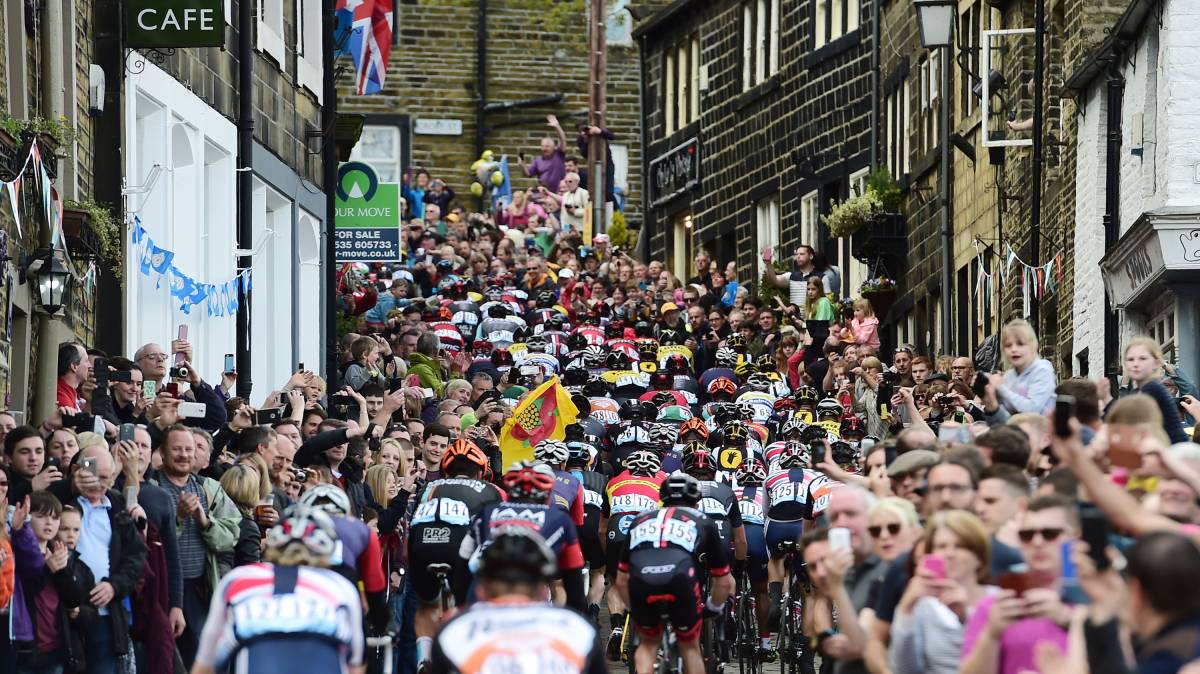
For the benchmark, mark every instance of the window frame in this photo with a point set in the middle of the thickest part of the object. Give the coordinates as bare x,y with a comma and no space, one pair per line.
309,69
760,41
270,38
810,218
767,224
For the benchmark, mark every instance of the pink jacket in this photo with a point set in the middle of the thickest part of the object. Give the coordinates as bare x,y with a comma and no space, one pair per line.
866,331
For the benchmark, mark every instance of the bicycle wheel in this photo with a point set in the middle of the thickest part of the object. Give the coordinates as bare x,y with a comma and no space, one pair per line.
747,634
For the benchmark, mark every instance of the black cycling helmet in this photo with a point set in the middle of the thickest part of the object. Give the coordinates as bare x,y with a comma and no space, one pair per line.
643,329
546,299
617,361
699,465
575,376
596,387
736,342
680,489
517,555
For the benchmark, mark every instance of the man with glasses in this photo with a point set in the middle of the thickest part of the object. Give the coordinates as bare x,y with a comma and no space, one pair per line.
962,369
1002,634
152,360
951,486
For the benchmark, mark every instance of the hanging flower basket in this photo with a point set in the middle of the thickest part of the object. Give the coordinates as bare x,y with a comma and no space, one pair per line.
849,216
881,292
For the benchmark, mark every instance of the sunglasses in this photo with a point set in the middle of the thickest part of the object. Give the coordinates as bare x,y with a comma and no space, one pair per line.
893,529
1048,534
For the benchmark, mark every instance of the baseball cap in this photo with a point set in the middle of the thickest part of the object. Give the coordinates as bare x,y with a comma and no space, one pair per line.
566,273
668,306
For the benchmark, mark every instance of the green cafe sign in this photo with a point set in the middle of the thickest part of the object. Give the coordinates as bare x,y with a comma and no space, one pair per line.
175,23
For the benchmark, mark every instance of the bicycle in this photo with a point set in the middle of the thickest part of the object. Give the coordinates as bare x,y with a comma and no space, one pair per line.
669,661
442,573
746,639
791,645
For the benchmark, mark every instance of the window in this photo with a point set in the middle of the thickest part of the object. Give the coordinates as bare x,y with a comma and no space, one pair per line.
969,38
1161,327
927,126
766,219
858,182
271,312
896,110
760,41
618,29
681,92
682,247
308,46
308,284
809,218
833,19
270,31
379,147
16,49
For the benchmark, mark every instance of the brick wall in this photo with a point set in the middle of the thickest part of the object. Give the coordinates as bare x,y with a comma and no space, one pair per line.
432,74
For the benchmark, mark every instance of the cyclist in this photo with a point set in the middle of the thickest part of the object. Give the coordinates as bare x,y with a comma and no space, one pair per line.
786,489
568,490
661,565
439,523
529,487
752,504
632,492
244,632
581,458
719,502
510,629
357,554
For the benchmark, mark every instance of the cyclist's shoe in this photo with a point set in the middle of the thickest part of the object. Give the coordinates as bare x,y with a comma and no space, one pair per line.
423,667
767,655
614,644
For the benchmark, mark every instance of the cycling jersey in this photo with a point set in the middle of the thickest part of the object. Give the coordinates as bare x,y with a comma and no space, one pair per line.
448,335
553,524
357,555
605,410
439,524
568,495
661,559
751,504
595,507
721,505
499,331
267,618
787,494
629,495
516,638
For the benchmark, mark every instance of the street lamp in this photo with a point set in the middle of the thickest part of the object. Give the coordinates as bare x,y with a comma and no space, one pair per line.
53,280
936,19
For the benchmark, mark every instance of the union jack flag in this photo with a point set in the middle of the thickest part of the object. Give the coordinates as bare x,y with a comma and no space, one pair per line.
369,24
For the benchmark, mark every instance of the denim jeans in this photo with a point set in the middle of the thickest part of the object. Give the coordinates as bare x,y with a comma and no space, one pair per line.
100,656
406,640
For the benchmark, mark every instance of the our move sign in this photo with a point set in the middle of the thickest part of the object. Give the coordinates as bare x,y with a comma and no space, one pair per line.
367,216
175,23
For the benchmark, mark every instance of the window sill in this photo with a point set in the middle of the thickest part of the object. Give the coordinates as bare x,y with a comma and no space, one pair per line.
831,49
758,91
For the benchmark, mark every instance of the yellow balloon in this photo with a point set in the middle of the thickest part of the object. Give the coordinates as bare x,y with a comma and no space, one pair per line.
497,178
487,155
475,165
477,189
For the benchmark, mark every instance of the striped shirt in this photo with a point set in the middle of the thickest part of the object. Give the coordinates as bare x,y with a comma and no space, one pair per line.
192,550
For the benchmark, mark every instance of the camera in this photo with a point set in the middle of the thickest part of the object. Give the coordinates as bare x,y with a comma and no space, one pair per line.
181,372
979,386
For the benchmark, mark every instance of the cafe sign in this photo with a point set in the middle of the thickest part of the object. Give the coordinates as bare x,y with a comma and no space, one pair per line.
675,172
175,23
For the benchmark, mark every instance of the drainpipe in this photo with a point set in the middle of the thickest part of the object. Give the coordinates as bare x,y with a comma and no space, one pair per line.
329,170
642,250
245,184
480,77
874,154
1115,92
51,329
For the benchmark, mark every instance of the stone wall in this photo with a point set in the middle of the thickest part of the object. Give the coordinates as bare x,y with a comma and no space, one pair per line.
530,54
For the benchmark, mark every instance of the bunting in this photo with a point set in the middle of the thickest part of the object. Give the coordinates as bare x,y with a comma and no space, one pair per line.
52,205
158,263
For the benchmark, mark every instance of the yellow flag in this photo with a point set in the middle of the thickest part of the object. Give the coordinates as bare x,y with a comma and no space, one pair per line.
542,414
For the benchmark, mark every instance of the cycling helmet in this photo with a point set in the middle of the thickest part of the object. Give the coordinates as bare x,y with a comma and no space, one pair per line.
577,341
482,347
493,293
792,428
575,376
733,436
844,454
556,321
630,410
663,435
517,554
580,453
593,356
751,471
794,455
529,482
678,364
759,382
766,363
853,427
328,498
722,388
596,387
661,381
680,489
814,435
466,450
829,408
498,310
694,446
546,299
743,369
614,330
699,465
617,360
643,329
502,358
669,337
306,525
806,395
660,399
727,357
552,452
695,426
736,342
643,462
784,405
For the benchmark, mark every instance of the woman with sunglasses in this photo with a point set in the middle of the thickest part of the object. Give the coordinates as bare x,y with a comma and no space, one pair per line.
894,527
931,618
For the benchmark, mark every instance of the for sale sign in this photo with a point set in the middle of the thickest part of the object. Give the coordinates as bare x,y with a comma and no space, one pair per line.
368,215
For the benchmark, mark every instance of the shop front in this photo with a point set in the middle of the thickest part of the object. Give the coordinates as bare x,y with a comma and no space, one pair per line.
1152,278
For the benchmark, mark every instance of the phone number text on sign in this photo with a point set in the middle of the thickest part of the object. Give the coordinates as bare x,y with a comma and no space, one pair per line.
367,245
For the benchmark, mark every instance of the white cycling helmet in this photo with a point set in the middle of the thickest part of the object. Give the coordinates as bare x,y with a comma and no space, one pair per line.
328,498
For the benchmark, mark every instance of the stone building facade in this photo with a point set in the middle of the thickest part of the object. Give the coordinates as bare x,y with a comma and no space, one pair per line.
766,105
430,112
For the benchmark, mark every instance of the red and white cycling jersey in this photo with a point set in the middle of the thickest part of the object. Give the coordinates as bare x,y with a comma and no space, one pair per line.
515,638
